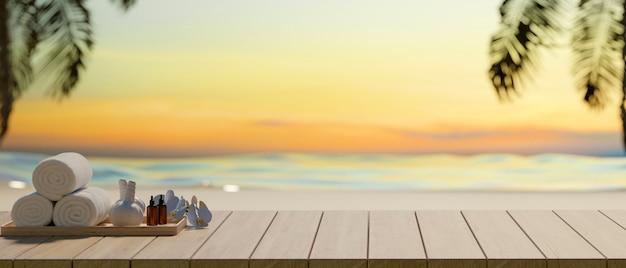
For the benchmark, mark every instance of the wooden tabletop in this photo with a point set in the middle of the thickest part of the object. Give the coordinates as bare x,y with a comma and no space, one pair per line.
429,238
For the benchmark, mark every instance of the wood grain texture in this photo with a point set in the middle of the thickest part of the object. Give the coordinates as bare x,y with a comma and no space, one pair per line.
395,240
288,240
505,245
15,246
4,218
176,251
105,228
557,241
43,263
342,240
616,263
55,252
234,242
112,252
604,234
349,239
448,240
618,216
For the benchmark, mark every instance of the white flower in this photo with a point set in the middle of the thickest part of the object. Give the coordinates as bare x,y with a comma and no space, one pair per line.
198,216
170,200
178,211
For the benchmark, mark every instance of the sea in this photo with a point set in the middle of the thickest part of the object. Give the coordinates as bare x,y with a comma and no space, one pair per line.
403,172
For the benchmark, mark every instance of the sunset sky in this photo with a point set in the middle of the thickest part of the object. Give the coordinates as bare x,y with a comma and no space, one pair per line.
205,77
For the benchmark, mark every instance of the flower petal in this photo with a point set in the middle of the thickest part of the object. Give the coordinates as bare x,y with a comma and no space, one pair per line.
169,194
181,203
192,216
171,200
194,200
205,214
180,213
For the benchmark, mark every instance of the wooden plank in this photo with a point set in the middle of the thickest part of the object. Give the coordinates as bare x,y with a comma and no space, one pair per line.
603,233
599,230
55,252
341,240
234,242
7,262
559,243
619,217
448,241
176,251
395,240
288,240
502,240
4,218
112,252
15,246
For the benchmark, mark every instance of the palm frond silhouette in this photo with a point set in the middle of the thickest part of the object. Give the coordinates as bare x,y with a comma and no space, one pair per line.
597,43
54,36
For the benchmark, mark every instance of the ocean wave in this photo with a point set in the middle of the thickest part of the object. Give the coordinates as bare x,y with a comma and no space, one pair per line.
509,172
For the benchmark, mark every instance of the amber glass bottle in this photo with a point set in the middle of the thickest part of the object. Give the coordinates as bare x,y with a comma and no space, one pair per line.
162,212
152,217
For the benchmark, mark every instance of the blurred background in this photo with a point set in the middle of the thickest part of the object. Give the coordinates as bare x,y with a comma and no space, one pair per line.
319,94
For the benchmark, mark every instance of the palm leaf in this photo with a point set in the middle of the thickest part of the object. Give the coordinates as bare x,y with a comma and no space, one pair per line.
53,34
597,44
125,4
525,26
65,37
6,85
25,37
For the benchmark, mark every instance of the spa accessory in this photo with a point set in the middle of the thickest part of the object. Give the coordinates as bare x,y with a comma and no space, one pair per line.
198,214
85,207
127,212
170,199
162,212
176,207
59,175
152,216
103,229
32,210
123,184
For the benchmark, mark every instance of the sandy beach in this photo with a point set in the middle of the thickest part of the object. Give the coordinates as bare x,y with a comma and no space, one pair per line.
252,199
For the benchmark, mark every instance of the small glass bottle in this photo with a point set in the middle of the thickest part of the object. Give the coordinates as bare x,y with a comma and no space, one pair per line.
152,217
162,212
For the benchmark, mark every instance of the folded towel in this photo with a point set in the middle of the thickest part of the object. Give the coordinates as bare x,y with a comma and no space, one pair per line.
32,210
61,174
85,207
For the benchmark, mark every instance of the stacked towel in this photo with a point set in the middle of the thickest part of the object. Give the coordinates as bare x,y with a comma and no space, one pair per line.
32,210
85,207
62,178
59,175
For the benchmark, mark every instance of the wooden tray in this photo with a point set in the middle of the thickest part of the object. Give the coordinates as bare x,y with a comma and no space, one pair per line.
105,228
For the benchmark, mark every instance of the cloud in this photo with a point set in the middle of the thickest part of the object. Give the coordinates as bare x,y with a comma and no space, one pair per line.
247,136
454,135
272,123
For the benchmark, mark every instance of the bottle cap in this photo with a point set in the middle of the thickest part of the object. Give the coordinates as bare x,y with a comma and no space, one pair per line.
151,200
161,201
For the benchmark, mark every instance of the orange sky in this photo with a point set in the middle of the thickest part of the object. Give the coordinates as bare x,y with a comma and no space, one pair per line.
291,76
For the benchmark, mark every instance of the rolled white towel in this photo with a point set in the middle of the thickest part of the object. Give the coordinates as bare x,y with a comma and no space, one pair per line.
32,210
61,174
85,207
